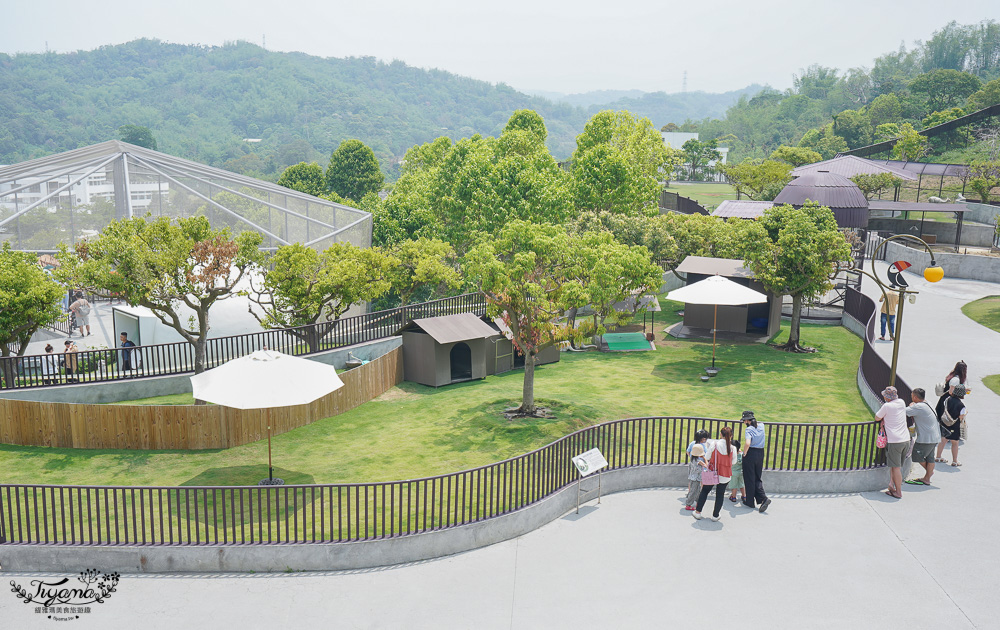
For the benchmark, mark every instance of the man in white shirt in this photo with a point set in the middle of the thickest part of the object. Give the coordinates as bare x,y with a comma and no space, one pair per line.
893,417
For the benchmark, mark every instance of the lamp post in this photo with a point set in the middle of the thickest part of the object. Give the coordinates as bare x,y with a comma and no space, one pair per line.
932,273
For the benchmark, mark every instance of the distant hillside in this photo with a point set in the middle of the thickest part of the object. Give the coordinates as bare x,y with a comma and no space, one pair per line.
201,102
663,108
598,98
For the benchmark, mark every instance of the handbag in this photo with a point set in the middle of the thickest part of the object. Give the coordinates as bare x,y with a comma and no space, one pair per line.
946,418
710,477
963,430
882,440
939,389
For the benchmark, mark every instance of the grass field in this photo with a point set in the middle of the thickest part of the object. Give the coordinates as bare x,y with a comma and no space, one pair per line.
985,310
414,431
993,382
709,195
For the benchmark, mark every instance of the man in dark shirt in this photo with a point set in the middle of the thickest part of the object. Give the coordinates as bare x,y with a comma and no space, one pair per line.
126,352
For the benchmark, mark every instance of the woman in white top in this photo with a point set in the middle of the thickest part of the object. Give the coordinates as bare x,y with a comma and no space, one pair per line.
50,366
720,455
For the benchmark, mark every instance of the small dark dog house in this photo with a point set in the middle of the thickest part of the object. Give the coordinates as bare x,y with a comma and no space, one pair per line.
502,356
447,349
760,319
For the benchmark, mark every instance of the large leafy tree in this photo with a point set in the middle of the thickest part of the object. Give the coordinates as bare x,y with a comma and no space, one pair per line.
353,171
988,95
481,184
526,273
307,292
796,156
168,267
794,251
29,299
945,88
760,180
700,153
910,146
422,267
610,272
876,183
618,164
137,135
304,177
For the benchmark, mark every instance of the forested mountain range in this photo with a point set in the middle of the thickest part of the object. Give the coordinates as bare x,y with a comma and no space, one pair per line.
202,102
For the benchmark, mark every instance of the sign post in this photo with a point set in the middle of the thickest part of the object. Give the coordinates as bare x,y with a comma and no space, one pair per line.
587,463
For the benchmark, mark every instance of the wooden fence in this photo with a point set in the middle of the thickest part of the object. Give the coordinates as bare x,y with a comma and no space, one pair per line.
184,427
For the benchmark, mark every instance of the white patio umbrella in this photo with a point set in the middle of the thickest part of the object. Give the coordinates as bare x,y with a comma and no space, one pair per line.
265,379
717,290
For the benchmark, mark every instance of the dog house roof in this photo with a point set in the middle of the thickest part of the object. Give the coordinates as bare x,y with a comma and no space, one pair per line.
454,328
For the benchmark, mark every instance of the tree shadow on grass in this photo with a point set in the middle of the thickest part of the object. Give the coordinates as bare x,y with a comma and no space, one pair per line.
691,371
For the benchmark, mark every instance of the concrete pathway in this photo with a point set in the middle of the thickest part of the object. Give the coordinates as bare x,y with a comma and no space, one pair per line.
638,560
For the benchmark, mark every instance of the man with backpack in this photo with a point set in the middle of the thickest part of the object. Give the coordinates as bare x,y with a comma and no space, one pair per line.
81,311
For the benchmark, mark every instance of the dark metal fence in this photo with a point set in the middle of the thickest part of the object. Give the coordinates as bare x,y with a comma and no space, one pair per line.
875,371
97,515
94,366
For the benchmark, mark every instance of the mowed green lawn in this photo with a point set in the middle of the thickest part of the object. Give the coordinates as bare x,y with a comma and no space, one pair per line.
985,310
415,431
708,195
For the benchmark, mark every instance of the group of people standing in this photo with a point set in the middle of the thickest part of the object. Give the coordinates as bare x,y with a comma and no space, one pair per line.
723,465
933,428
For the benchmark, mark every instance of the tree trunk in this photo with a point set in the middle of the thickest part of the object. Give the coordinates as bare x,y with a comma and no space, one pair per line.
792,345
528,392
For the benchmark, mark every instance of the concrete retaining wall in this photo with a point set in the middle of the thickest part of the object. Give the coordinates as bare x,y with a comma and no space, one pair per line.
982,213
368,554
966,266
132,389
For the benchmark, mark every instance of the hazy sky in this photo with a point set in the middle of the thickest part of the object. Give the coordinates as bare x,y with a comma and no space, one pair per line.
558,46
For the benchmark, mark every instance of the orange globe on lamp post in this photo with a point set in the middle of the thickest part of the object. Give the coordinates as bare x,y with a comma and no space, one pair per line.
933,273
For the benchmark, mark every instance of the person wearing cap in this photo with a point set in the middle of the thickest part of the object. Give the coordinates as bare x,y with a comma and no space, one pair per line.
694,475
753,462
893,416
954,406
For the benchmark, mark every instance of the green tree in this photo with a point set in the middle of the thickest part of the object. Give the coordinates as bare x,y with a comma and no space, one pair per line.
795,251
303,177
986,96
699,154
29,299
610,272
353,171
796,156
700,235
525,273
617,164
886,108
984,177
314,289
911,146
824,141
168,267
854,127
421,265
944,89
139,136
760,180
876,183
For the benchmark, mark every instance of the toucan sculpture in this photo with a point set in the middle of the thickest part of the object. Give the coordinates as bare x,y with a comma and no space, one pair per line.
895,274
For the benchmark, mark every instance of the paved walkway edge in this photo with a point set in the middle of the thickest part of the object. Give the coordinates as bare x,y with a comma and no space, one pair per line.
404,549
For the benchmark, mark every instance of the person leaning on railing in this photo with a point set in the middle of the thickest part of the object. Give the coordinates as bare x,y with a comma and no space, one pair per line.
753,462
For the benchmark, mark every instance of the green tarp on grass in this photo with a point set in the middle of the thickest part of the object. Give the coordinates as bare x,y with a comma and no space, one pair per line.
626,341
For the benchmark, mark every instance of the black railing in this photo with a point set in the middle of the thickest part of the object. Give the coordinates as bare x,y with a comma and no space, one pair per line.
95,366
875,372
98,515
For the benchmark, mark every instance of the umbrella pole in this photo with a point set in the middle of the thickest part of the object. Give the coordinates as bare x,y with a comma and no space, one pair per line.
270,468
715,324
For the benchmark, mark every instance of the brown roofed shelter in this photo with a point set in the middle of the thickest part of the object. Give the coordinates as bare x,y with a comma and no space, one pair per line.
758,319
447,349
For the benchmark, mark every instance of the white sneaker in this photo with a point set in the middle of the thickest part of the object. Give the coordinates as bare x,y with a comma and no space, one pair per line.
714,519
697,516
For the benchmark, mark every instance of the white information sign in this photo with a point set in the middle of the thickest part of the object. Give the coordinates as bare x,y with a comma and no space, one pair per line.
589,462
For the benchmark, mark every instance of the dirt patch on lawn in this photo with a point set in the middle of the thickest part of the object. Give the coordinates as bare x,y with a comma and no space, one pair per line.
395,394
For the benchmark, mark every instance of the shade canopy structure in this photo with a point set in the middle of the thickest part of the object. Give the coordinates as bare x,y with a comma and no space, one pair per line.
717,290
266,379
70,196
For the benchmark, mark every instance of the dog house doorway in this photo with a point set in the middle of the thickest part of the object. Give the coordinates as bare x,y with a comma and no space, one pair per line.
461,362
